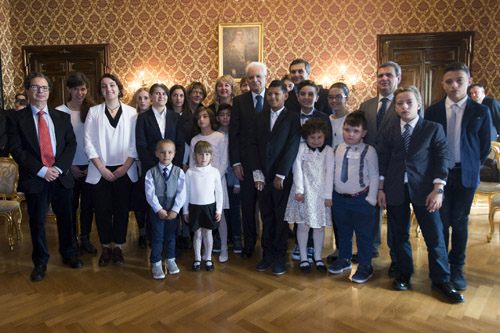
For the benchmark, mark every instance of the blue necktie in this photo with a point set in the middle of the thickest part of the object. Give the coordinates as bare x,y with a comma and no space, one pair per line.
166,175
381,112
406,136
258,106
345,166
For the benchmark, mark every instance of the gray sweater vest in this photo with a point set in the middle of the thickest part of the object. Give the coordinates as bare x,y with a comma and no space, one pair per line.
166,197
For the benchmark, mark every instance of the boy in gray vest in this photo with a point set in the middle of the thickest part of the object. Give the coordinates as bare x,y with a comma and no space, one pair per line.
166,194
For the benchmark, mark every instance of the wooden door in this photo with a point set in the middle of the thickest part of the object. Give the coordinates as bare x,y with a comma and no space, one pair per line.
422,58
57,62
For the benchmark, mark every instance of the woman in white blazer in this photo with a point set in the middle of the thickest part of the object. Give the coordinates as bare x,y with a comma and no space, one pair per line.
109,140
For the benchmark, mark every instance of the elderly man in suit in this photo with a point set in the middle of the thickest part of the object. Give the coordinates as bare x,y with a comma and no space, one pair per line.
476,92
379,114
413,159
468,127
42,142
300,70
241,131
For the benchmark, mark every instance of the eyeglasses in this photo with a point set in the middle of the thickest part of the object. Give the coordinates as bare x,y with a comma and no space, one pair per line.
37,87
338,97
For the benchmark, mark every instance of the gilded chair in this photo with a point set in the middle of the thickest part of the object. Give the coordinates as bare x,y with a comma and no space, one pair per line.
10,208
491,188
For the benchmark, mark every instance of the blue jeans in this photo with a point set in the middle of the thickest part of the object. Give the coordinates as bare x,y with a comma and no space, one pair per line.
430,224
455,214
163,233
354,215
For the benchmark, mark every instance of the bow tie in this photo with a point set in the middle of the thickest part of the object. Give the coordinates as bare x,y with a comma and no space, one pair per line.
306,116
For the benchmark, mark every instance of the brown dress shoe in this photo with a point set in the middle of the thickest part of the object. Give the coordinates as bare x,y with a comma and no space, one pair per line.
105,256
117,256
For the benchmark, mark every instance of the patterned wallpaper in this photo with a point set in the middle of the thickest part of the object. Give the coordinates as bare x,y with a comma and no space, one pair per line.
6,51
177,41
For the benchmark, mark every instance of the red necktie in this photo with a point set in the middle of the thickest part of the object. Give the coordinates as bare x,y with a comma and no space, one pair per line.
45,143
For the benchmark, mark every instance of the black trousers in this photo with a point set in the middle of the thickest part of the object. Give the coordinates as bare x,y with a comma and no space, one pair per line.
60,198
248,194
82,198
111,205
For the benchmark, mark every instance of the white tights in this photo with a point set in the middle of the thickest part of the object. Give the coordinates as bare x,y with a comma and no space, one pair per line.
318,237
208,242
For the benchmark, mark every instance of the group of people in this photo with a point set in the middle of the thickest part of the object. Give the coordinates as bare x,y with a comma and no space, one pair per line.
292,147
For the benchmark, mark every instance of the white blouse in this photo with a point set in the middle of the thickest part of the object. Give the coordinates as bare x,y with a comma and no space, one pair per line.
111,145
80,157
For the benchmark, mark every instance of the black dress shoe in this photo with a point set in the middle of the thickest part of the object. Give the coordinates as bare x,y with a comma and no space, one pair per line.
38,273
449,292
246,253
401,284
305,267
265,263
392,270
73,262
279,267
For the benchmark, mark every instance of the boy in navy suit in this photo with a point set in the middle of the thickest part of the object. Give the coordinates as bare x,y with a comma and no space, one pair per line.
413,164
275,146
467,125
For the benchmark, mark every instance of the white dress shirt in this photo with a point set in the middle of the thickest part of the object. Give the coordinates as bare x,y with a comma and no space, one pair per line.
458,124
161,119
80,157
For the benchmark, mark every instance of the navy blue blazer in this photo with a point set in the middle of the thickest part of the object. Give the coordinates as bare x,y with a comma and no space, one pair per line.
25,148
426,160
475,139
274,151
292,103
147,134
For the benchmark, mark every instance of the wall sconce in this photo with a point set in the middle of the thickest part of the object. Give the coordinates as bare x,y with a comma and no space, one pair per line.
342,72
353,83
141,76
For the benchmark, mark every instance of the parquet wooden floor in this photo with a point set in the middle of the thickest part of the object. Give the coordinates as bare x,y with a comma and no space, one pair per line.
236,298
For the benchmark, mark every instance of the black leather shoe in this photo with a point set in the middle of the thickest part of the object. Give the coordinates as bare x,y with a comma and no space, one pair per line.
305,267
449,292
401,284
279,267
38,273
86,245
73,262
392,270
246,253
265,263
354,258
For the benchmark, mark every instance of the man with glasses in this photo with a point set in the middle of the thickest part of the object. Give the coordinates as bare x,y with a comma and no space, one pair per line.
42,142
300,70
379,114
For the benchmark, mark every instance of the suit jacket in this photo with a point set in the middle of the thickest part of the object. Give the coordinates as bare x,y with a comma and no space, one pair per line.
370,107
292,103
241,128
147,134
494,106
4,149
274,151
475,138
321,115
426,160
24,147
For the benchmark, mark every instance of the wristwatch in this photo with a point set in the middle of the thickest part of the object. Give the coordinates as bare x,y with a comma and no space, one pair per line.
439,190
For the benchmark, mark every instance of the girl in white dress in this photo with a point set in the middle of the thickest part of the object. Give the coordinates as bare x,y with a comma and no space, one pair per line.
203,206
206,123
311,194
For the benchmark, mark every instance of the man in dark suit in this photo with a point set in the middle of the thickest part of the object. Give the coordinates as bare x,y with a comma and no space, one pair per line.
300,70
413,160
467,125
275,146
241,132
476,92
42,142
379,114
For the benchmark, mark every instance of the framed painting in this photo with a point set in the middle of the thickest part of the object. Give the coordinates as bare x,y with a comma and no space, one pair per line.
239,45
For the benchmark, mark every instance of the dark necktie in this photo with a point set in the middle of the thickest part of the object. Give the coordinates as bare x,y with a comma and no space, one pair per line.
45,143
258,106
345,166
406,136
166,175
381,112
451,134
306,116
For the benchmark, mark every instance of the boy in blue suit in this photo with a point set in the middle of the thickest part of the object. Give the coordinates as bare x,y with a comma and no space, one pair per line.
467,126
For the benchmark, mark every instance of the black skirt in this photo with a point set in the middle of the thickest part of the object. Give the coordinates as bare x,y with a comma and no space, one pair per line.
202,216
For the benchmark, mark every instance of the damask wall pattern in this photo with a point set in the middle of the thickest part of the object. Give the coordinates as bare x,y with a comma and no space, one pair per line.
6,51
177,41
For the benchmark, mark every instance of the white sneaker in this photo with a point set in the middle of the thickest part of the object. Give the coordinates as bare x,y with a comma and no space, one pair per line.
172,267
223,257
157,271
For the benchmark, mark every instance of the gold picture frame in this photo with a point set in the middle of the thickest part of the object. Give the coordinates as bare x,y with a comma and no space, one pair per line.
239,45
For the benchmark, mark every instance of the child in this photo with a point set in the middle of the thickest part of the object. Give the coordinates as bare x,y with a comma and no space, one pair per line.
355,196
203,206
233,184
275,146
206,123
310,199
166,194
414,163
